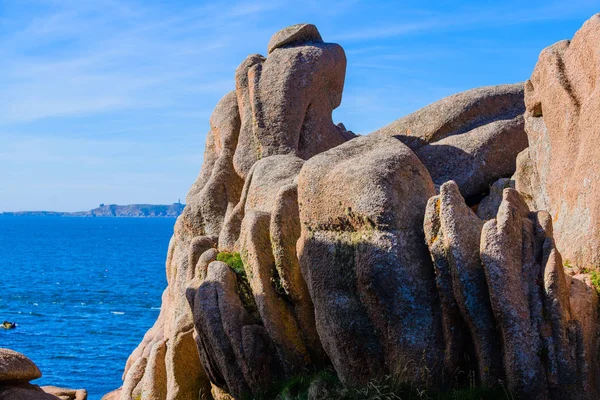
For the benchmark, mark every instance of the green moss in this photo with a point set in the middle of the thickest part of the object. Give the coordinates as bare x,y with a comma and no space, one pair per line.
234,260
595,278
594,275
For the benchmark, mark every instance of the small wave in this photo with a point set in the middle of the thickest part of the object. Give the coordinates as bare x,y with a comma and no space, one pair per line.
117,312
155,308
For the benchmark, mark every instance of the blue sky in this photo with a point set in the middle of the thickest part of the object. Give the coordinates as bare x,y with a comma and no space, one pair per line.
108,101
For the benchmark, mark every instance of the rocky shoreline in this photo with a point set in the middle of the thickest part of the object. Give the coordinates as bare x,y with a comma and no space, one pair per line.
16,370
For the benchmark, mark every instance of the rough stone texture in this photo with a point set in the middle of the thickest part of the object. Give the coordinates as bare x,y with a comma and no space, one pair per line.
453,233
506,276
363,256
286,100
206,258
24,391
489,205
114,395
182,361
17,367
235,349
282,106
199,246
334,237
471,137
584,308
133,378
154,381
66,394
561,121
542,345
300,33
215,192
259,193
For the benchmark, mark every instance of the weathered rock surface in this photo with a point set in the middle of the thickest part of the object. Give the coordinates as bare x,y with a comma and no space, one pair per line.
281,108
472,137
489,205
16,370
542,356
17,367
24,391
363,256
453,233
66,394
329,242
286,99
562,174
235,348
506,276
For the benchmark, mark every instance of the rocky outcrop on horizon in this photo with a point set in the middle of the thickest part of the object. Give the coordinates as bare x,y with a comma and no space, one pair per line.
111,210
430,249
16,370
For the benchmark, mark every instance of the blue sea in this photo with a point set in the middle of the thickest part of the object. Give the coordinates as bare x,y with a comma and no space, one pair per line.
83,292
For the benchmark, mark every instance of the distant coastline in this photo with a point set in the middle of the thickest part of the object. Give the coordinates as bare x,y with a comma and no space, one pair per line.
112,210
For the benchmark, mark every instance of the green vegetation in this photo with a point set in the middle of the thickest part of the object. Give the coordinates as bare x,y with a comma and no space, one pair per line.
594,275
234,260
326,385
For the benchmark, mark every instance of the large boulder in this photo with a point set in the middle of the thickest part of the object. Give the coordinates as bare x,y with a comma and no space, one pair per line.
16,370
16,367
472,137
560,172
66,394
24,391
363,256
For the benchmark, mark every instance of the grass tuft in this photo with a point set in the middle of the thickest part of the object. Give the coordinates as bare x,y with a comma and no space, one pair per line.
234,260
325,385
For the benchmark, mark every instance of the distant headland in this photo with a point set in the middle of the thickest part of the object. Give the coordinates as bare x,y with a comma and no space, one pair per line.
113,210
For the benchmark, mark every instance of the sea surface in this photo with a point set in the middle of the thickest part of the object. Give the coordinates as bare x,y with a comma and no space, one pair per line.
83,292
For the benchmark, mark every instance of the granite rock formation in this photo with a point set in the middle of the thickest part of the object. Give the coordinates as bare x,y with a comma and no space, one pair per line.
16,370
279,115
362,254
303,246
472,137
502,284
560,171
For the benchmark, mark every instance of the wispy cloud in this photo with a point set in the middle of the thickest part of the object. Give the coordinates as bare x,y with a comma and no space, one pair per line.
85,57
469,18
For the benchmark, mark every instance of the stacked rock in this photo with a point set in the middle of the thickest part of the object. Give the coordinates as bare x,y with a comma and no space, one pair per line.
16,371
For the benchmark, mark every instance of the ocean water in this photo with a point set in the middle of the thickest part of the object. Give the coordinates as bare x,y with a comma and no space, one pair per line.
83,292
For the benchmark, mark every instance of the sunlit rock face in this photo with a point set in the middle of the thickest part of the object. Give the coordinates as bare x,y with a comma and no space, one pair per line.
560,171
471,137
303,246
